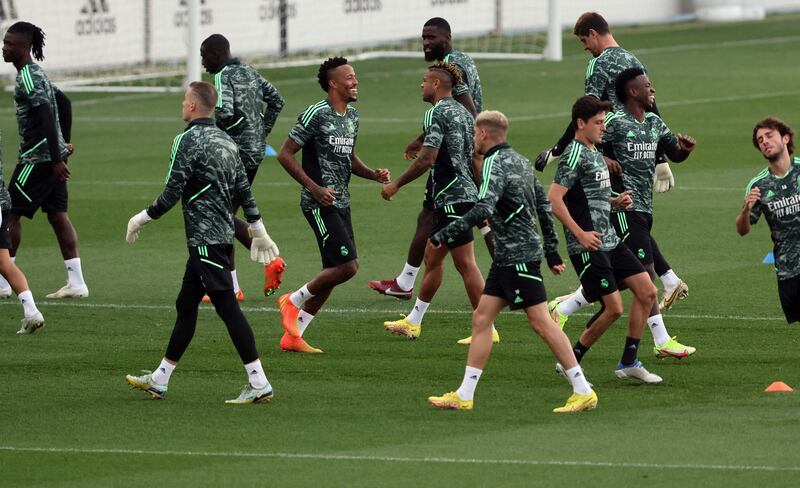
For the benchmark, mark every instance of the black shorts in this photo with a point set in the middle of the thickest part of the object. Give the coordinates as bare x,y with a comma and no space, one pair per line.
36,185
334,231
520,285
251,174
448,213
211,265
634,230
427,201
789,291
600,271
5,233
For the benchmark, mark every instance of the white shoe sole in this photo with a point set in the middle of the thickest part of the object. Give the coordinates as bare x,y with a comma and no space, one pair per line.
69,293
648,377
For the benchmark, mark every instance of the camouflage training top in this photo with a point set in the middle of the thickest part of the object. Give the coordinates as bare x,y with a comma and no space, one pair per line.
780,204
510,197
328,140
5,198
207,176
449,127
584,172
634,145
469,75
602,72
241,92
33,89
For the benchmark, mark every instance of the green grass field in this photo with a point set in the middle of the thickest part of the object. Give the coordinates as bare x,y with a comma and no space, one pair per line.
356,415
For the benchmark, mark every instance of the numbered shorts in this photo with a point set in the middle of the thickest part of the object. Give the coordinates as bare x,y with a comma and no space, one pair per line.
211,265
634,230
5,233
600,271
789,291
35,185
520,285
334,232
444,215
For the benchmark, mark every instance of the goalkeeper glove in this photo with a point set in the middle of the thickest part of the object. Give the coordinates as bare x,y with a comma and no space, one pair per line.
663,179
262,249
135,224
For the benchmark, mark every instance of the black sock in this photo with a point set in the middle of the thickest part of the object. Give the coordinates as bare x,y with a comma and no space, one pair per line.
579,350
629,354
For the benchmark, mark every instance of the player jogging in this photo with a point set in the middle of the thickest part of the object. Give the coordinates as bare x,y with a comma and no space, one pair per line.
326,132
242,93
40,177
775,193
508,196
447,152
207,176
632,137
582,198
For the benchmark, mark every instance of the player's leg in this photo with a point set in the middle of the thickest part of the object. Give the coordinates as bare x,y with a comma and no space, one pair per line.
674,288
55,206
789,294
32,317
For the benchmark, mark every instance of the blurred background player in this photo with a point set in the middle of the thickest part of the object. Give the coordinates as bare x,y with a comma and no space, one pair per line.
327,133
608,61
631,138
582,198
508,196
775,193
447,152
437,46
240,112
207,176
40,177
32,318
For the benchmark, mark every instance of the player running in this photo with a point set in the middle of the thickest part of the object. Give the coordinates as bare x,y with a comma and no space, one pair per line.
326,132
207,176
632,137
775,193
508,196
582,198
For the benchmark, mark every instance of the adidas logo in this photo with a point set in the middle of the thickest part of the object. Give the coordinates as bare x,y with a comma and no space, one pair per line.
163,370
474,377
632,346
253,372
770,193
95,7
95,19
410,273
630,134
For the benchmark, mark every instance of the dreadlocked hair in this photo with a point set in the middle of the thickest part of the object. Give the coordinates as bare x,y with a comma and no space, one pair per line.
34,33
450,69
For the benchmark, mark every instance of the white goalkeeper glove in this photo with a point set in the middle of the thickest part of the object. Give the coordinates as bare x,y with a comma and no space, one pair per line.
262,248
135,224
663,179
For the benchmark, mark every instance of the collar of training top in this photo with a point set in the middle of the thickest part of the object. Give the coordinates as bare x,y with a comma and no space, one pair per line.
200,121
496,148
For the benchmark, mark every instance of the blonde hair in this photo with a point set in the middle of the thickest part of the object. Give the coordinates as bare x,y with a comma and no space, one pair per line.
494,121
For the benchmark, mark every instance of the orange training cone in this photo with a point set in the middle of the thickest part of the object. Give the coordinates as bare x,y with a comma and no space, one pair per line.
778,386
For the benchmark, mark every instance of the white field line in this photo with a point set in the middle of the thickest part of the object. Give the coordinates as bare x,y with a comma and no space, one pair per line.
396,459
435,311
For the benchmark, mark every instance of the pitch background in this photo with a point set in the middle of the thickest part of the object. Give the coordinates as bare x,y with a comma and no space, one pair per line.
356,415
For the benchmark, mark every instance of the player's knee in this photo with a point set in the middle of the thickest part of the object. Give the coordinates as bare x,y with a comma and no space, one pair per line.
614,310
348,270
648,293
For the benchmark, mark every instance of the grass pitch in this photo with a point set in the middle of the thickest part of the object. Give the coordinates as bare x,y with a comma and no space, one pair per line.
356,415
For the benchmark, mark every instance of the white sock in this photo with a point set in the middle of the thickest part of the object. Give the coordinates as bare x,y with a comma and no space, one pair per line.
659,330
256,375
74,273
4,284
405,280
493,329
418,312
578,380
163,372
303,321
28,305
467,389
235,279
299,297
670,280
575,302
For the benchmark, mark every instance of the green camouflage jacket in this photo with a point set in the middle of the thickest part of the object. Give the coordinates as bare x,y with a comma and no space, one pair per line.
33,88
602,72
469,75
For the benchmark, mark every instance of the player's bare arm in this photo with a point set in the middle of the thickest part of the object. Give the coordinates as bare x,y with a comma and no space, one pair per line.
288,159
743,225
427,157
381,175
588,239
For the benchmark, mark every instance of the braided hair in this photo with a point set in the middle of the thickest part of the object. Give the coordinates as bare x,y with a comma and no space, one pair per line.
32,32
450,69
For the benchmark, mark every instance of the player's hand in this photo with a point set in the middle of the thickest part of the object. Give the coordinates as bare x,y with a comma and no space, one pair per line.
70,149
752,197
382,175
613,166
324,195
412,149
388,191
623,200
558,269
687,143
663,180
262,248
61,170
135,225
590,239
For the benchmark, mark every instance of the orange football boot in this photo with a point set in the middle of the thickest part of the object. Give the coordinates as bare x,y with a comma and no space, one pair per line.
273,273
288,315
296,344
